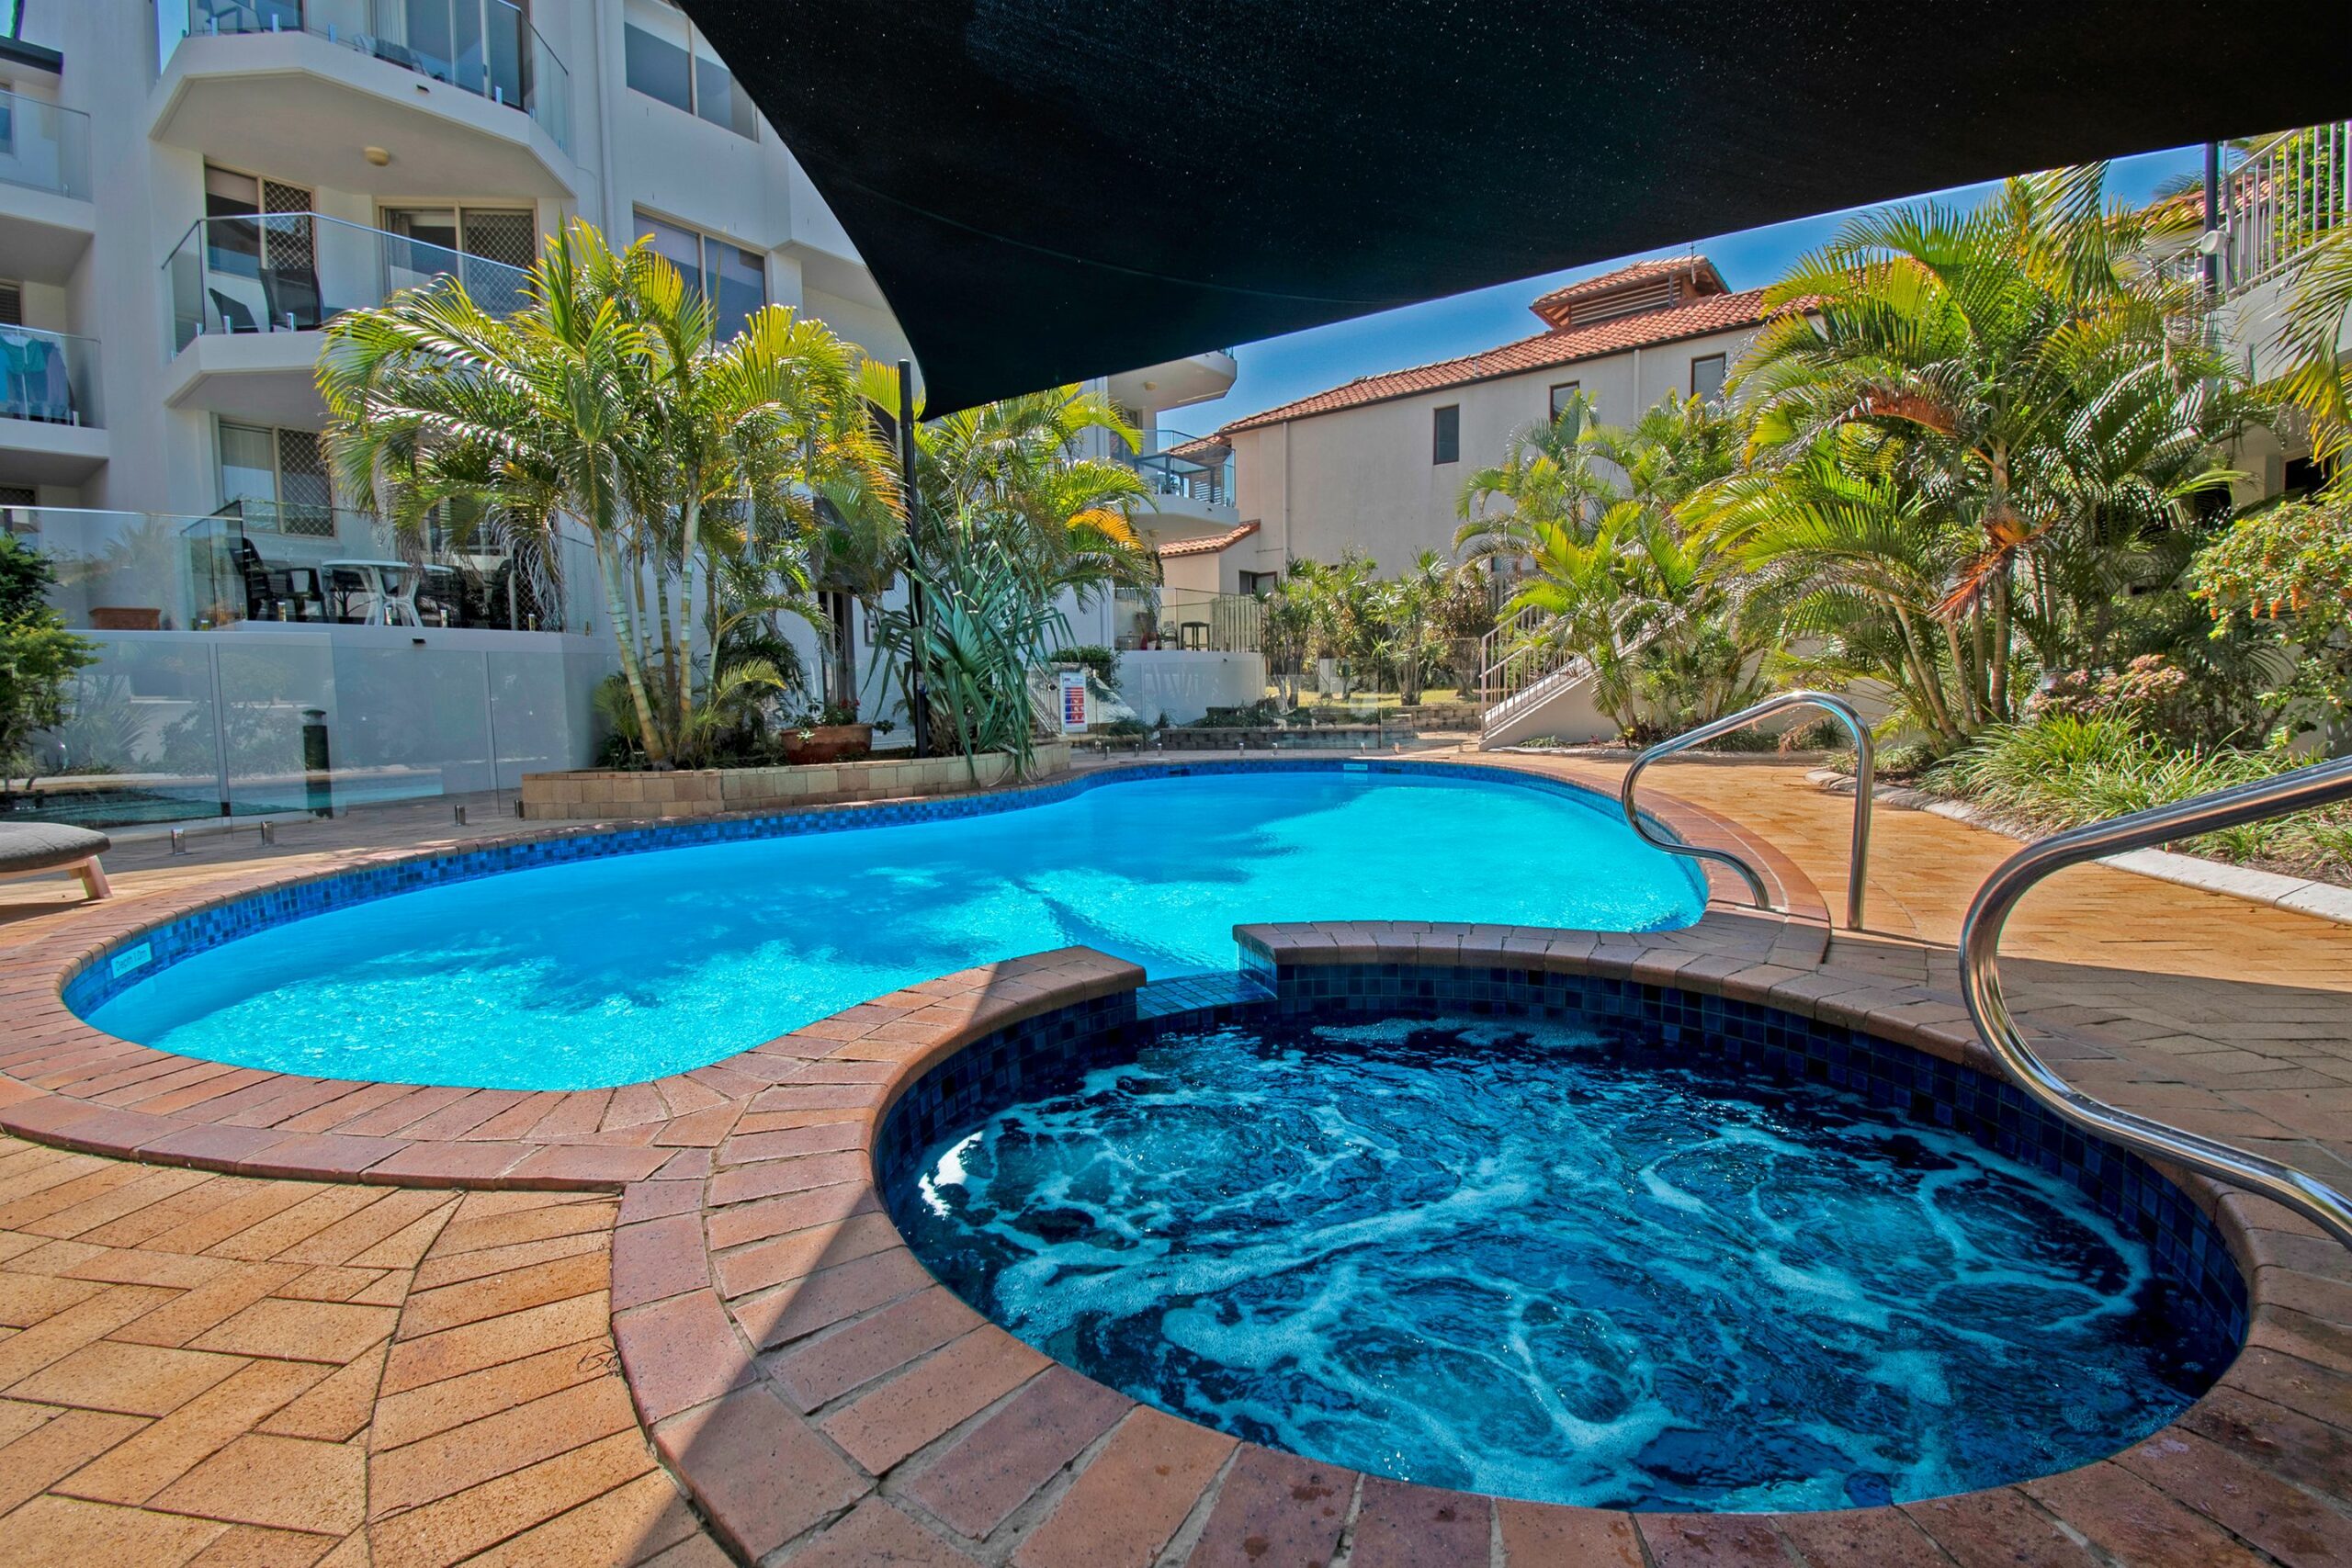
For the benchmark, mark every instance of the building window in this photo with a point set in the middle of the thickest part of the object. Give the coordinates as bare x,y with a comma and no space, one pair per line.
1562,393
666,57
276,478
1260,584
733,279
1446,435
1707,377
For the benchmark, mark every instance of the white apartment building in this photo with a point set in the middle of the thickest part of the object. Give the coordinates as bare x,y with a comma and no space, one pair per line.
1378,464
188,190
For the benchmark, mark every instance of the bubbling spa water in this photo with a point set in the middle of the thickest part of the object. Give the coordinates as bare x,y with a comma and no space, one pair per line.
1506,1257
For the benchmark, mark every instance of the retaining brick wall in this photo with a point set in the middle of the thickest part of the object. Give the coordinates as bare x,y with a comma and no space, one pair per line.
597,795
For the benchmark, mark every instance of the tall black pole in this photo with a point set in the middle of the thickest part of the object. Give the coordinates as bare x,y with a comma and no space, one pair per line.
2213,220
917,706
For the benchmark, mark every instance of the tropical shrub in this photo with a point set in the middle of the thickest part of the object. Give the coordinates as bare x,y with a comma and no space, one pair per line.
1972,434
2062,771
2288,570
38,655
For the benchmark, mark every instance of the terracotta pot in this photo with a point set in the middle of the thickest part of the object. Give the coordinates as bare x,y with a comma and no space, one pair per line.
827,743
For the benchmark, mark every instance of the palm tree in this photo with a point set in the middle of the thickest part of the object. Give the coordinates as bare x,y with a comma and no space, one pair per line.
1547,476
1010,518
2319,312
2017,364
605,400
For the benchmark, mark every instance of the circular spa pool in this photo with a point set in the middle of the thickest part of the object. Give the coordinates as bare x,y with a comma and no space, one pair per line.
656,951
1506,1257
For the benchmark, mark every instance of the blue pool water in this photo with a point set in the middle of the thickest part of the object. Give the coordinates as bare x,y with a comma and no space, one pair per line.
1502,1257
619,969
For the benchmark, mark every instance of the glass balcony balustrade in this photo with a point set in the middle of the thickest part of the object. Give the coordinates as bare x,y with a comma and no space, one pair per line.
47,378
44,146
485,47
286,562
293,271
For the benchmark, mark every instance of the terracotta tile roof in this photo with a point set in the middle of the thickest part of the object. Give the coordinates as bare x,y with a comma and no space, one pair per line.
1715,313
1209,546
1200,448
1702,271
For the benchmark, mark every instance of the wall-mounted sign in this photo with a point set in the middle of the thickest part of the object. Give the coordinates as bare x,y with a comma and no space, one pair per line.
1072,686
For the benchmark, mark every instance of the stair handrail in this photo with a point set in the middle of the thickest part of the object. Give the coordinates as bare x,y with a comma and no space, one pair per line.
2322,784
1865,776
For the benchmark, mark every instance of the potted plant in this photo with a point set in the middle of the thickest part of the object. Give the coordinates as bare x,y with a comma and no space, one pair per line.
829,733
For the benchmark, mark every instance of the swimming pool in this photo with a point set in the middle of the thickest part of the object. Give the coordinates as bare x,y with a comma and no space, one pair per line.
1516,1257
626,966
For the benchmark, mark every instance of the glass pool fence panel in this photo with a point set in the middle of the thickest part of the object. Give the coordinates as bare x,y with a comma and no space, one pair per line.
166,728
45,146
487,48
139,745
295,271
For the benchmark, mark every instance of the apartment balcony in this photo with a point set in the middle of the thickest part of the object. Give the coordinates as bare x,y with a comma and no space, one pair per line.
1174,383
258,565
1182,620
46,215
249,296
2283,197
457,96
50,428
1188,493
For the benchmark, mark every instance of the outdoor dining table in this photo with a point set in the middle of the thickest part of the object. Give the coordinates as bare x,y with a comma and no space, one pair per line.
388,586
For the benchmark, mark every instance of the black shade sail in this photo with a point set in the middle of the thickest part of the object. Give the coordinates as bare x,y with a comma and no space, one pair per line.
1052,189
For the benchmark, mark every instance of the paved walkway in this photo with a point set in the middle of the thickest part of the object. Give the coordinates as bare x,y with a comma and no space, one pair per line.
217,1368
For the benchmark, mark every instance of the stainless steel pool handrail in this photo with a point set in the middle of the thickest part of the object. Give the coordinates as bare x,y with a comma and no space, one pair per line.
1980,979
1865,775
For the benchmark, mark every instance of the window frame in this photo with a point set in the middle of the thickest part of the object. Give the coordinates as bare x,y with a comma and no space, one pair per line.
699,57
1572,389
1439,432
705,274
1722,360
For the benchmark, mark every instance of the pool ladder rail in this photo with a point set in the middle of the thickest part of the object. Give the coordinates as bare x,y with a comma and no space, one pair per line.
1865,777
2323,783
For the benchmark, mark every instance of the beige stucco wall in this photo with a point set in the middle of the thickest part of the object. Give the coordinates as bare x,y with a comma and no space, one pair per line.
1362,477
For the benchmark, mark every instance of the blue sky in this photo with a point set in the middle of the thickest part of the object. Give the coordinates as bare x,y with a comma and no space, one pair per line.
1277,370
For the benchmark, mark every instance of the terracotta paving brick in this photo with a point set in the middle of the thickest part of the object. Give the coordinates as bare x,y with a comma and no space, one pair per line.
415,1363
286,1483
1399,1525
819,1299
875,1533
824,1369
1007,1458
306,1331
136,1469
931,1398
65,1529
1997,1528
767,1476
1126,1505
1866,1538
2124,1516
465,1456
136,1380
56,1450
420,1412
1537,1535
1275,1508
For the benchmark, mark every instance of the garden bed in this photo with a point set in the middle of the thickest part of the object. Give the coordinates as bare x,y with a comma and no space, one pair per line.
598,794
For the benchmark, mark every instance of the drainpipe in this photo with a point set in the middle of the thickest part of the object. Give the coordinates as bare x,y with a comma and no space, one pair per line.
2212,246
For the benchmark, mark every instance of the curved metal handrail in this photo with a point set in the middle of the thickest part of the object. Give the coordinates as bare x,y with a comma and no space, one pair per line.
1980,981
1865,775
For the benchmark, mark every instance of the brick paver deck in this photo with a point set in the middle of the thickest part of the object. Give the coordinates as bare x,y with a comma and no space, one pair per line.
821,1400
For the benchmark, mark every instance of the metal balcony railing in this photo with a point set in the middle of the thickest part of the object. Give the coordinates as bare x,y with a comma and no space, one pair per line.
1980,978
1166,473
2282,198
44,146
293,271
485,47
